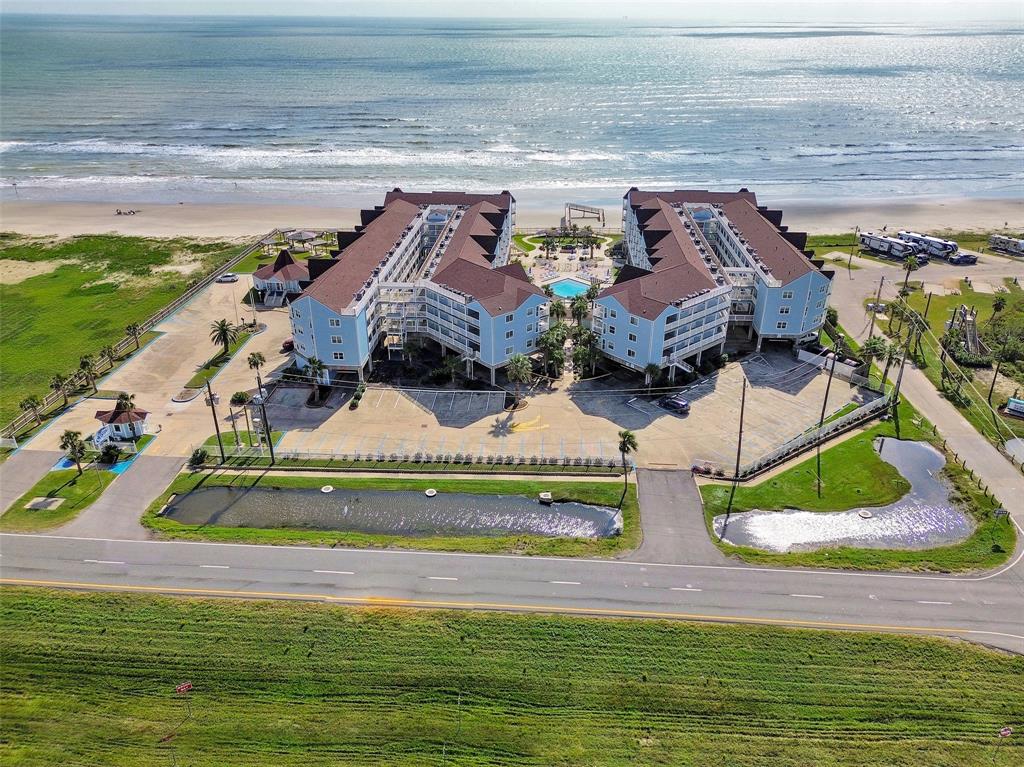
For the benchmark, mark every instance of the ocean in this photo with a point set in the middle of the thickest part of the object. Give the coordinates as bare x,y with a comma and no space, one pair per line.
334,111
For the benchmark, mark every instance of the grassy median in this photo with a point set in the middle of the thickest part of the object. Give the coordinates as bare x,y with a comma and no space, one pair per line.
78,492
597,493
90,678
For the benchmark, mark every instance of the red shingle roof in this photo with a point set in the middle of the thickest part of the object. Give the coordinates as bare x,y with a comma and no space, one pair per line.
285,268
121,416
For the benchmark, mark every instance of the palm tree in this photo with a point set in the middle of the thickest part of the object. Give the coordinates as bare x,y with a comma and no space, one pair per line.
998,304
873,348
59,383
32,404
589,238
72,445
519,371
88,366
256,361
135,331
107,353
627,445
315,369
125,402
651,371
592,293
891,354
557,311
579,309
549,342
224,333
910,265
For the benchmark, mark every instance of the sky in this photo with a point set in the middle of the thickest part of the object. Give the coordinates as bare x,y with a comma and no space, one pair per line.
817,11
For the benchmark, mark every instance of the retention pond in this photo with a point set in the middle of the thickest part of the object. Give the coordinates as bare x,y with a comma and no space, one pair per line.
391,512
922,519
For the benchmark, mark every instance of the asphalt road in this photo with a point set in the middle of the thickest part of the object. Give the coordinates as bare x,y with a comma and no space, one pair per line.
987,608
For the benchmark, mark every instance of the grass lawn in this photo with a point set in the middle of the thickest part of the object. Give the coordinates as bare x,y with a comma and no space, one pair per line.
600,493
854,475
258,258
212,366
526,242
246,438
79,492
100,284
89,679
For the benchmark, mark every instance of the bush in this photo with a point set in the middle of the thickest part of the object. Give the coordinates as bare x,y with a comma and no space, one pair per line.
832,316
110,453
239,398
199,457
721,361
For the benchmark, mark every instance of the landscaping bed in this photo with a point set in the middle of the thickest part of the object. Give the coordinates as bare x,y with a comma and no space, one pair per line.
78,492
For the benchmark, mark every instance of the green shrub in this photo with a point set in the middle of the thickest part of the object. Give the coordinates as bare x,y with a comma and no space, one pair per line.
199,457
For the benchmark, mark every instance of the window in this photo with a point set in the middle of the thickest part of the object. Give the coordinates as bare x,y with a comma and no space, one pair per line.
781,325
632,337
296,314
787,294
509,334
529,343
509,350
529,328
819,304
529,312
823,288
335,322
634,321
339,356
630,353
611,346
784,310
671,318
509,317
611,329
337,340
612,314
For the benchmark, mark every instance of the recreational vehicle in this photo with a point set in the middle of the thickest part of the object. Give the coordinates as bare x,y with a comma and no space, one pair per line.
893,247
1008,245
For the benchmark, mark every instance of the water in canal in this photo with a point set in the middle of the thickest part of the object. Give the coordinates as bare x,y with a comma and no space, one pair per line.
397,512
922,519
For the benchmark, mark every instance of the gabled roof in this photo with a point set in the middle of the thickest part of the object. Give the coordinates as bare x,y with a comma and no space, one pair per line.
498,290
121,416
285,268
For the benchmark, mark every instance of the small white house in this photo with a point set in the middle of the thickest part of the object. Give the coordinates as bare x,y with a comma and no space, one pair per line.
121,424
275,282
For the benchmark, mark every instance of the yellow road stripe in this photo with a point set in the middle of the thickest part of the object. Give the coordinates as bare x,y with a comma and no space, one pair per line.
397,602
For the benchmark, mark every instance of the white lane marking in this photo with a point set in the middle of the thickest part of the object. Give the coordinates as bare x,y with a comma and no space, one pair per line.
808,596
102,562
440,578
566,583
334,572
926,602
217,567
680,588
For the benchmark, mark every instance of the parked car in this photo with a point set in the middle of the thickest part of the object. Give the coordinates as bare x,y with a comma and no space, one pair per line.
676,403
228,277
288,345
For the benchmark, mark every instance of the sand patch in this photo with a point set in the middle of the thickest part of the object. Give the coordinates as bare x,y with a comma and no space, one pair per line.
42,503
982,287
12,272
933,287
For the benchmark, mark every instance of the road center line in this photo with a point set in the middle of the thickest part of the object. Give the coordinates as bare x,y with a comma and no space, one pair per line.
102,562
440,578
680,588
926,602
566,583
808,596
334,572
216,567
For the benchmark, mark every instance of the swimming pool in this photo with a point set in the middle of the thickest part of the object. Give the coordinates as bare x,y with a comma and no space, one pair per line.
569,288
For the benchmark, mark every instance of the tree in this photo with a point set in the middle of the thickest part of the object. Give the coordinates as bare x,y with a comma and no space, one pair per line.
88,366
998,304
651,372
891,354
592,293
557,311
1010,351
73,447
519,371
224,333
910,265
32,404
579,309
873,349
256,361
315,369
108,353
135,331
589,239
59,383
125,402
549,342
627,445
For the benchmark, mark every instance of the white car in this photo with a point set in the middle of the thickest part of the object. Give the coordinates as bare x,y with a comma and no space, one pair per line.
228,277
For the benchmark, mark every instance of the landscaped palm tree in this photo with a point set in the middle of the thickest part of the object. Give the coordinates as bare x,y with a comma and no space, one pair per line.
224,333
125,402
592,293
651,371
135,331
557,311
579,309
32,404
107,353
59,383
998,304
88,366
627,445
891,354
873,349
910,265
73,447
256,361
315,369
519,371
589,239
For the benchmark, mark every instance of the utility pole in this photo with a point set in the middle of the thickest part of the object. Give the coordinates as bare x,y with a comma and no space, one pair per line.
874,308
263,413
213,409
739,449
824,405
928,303
999,363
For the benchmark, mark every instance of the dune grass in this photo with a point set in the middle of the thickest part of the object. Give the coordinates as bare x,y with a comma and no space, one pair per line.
79,493
598,493
90,678
104,283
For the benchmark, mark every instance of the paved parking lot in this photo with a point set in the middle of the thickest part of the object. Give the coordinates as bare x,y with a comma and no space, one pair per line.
783,399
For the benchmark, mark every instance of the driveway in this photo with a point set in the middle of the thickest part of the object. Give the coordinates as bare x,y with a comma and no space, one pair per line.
21,471
672,519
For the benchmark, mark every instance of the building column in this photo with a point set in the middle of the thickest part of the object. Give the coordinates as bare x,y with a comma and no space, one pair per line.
699,356
469,367
361,378
721,349
758,343
671,373
493,381
369,362
750,331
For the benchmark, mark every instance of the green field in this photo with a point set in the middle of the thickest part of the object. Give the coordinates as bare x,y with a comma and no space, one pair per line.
79,493
90,678
102,283
854,475
599,493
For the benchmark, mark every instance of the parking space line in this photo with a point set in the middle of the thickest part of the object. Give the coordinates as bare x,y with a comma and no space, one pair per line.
808,596
381,397
440,578
102,562
334,572
216,567
566,583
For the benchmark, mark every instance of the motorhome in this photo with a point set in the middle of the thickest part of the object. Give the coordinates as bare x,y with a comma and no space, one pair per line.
936,246
893,247
1009,245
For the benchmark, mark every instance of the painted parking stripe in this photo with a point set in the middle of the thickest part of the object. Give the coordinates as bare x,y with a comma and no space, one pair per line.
808,596
566,583
926,602
440,578
102,562
334,572
216,567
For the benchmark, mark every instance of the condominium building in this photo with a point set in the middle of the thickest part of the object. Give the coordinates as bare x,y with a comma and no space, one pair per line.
421,266
703,266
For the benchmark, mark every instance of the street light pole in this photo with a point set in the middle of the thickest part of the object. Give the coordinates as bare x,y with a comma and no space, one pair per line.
216,425
824,406
263,413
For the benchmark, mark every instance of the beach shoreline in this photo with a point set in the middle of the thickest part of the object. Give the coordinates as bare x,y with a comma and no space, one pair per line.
247,220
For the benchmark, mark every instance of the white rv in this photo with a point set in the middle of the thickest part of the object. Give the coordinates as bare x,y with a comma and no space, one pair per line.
893,247
933,246
1009,245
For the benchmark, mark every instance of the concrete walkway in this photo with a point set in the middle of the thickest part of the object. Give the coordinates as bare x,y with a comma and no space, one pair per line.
117,512
21,471
672,518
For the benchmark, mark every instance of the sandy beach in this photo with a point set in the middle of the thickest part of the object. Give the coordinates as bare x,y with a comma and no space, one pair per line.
223,220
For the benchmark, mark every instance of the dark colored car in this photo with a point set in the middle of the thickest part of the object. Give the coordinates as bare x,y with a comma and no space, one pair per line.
676,403
288,345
